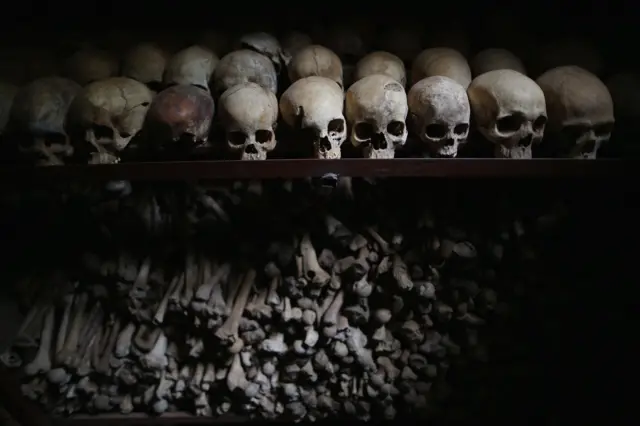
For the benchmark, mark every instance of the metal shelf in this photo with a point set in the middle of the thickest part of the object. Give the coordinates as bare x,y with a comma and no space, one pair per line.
434,168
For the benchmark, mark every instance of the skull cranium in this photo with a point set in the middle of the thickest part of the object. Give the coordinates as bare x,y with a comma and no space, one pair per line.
245,66
37,119
105,116
441,61
509,111
146,63
249,113
376,109
193,65
381,63
312,106
265,44
580,112
88,65
315,60
440,114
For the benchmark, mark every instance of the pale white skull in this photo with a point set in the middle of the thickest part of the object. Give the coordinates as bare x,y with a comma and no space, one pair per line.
37,119
105,116
496,59
580,112
245,66
442,61
440,114
89,64
384,63
249,113
315,60
292,43
193,65
7,93
376,109
146,63
509,111
312,106
265,44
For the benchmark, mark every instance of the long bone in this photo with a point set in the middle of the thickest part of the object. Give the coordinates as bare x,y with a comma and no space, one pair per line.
69,350
229,330
140,285
158,318
191,278
64,323
310,266
156,359
42,362
211,292
103,365
123,344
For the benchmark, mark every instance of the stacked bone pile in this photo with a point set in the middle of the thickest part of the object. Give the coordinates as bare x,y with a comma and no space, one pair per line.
327,319
337,85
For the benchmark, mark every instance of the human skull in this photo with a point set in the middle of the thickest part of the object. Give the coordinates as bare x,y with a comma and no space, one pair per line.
265,44
313,107
245,66
37,117
105,116
381,63
315,60
7,94
146,63
509,110
179,119
496,59
405,42
580,112
89,64
441,61
249,113
376,109
440,114
292,43
193,65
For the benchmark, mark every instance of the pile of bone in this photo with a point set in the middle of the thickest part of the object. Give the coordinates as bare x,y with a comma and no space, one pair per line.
366,324
114,99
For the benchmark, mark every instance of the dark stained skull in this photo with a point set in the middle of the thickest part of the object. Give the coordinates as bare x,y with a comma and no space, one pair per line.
179,119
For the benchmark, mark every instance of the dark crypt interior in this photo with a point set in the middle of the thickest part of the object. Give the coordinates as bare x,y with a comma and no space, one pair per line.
430,217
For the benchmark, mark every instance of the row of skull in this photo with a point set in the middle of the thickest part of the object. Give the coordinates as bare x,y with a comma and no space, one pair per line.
509,108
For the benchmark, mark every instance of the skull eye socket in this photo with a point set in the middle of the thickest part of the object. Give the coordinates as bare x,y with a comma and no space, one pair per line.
603,129
236,138
573,132
539,123
309,134
336,125
102,132
125,135
395,128
436,131
364,131
263,136
509,124
461,129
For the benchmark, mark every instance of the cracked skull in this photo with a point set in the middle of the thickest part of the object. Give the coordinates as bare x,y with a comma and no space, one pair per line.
105,116
315,60
580,112
249,113
265,44
312,106
37,117
376,109
440,114
509,110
